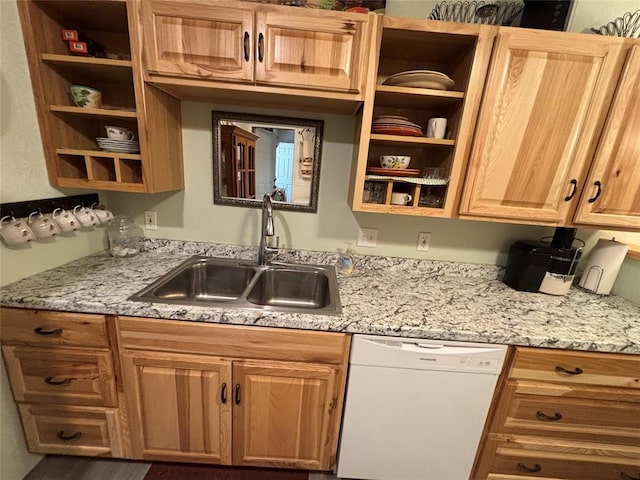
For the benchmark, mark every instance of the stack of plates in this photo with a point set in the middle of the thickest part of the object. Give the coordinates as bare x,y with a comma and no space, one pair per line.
120,146
421,79
395,125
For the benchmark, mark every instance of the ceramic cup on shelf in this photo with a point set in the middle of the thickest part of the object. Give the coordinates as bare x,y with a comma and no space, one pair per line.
103,213
85,216
401,198
41,226
86,97
436,127
65,220
119,133
15,231
395,161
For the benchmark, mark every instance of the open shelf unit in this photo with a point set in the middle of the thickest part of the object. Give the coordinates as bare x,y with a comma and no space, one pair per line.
68,131
457,50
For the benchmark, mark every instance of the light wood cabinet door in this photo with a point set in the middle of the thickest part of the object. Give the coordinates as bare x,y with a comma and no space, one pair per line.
612,193
545,101
283,414
198,39
310,48
179,406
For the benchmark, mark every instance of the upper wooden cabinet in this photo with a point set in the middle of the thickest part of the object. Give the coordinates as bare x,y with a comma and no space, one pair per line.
69,132
190,45
544,105
611,196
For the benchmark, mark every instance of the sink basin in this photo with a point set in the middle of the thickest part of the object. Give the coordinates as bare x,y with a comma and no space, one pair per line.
202,281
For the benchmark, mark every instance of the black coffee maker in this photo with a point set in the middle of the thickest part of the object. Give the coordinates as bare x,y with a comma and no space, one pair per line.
543,266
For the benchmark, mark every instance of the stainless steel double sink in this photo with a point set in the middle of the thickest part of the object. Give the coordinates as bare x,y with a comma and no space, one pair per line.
222,282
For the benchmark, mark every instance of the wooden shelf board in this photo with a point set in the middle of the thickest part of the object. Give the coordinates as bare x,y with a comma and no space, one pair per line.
634,252
98,153
100,184
405,140
416,98
93,61
401,209
100,112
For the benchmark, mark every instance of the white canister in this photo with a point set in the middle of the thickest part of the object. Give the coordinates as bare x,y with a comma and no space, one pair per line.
603,266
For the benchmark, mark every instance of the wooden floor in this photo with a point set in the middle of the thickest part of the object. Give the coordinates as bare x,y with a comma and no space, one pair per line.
54,467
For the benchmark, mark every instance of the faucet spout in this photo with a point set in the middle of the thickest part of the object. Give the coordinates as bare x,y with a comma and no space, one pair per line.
266,231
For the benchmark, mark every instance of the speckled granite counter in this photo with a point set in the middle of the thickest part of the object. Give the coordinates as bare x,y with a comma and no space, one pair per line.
384,296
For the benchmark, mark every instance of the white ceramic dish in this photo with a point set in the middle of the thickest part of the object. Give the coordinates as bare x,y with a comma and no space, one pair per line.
395,161
421,80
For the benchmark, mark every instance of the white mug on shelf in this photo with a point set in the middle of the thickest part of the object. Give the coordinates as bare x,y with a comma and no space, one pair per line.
436,127
65,220
119,133
85,216
15,232
401,198
41,226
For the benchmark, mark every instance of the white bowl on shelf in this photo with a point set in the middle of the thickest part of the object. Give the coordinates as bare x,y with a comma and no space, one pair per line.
395,161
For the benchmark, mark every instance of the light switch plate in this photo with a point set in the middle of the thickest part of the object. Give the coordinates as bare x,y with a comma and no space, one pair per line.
151,220
367,237
423,242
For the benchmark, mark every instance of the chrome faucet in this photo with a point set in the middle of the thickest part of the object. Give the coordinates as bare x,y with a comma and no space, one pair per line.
267,230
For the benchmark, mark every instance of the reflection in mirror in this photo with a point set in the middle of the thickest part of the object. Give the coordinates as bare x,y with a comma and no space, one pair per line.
257,154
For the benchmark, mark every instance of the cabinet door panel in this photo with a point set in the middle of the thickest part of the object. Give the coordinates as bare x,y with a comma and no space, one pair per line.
284,414
617,162
324,51
545,97
177,407
198,40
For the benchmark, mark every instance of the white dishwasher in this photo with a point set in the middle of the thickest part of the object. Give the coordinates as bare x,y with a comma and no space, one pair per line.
415,409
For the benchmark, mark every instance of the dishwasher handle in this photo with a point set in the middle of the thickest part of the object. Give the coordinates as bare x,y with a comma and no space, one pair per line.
432,348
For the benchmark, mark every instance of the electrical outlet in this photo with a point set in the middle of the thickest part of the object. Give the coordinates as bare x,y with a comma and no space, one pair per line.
423,242
367,237
151,220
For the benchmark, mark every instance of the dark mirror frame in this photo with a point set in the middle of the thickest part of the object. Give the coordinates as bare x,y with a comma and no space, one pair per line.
218,199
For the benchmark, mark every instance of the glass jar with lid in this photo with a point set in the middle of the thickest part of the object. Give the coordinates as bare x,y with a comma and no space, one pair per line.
124,236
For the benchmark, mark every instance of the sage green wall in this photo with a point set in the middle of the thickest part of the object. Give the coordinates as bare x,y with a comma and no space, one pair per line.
23,177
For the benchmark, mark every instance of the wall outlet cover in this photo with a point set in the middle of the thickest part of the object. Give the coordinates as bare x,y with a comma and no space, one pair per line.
367,237
151,220
423,242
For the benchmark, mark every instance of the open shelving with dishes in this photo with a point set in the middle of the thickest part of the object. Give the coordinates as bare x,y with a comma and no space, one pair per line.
420,53
71,130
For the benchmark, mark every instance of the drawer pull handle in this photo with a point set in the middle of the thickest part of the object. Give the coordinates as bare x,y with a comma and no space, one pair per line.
576,371
223,393
625,476
550,418
237,394
48,333
598,186
68,438
574,184
523,468
60,383
245,46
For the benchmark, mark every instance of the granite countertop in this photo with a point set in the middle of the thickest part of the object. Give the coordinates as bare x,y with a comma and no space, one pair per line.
383,296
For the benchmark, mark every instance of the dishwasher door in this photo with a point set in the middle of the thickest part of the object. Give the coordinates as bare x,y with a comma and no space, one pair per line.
415,409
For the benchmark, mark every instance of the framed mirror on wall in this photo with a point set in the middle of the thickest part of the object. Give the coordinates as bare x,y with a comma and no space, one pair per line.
258,154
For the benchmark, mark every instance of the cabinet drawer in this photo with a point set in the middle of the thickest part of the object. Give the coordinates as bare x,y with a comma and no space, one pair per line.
38,327
530,457
232,341
56,375
531,413
614,370
71,430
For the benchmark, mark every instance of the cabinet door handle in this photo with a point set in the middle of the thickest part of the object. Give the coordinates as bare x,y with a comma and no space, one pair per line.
576,371
245,46
626,476
598,186
48,333
260,47
237,394
61,383
551,418
523,468
574,184
223,393
68,438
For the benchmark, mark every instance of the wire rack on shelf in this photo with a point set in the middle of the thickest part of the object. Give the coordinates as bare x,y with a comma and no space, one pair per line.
487,13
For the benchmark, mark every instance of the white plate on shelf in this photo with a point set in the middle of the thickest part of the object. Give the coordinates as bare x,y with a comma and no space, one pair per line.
417,79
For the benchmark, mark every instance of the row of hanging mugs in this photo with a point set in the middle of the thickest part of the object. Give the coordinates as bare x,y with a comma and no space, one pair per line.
17,231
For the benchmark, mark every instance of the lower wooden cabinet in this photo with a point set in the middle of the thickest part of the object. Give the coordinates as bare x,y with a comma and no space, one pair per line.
564,415
228,395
